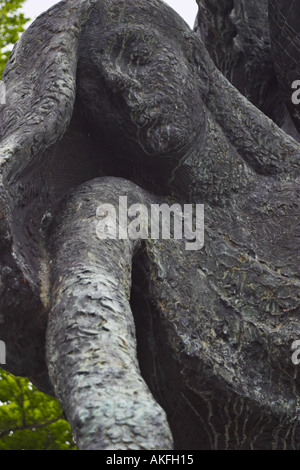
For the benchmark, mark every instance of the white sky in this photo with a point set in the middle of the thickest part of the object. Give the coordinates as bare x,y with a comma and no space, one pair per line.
186,8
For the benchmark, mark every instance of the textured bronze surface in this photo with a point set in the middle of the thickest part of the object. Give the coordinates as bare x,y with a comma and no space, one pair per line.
145,344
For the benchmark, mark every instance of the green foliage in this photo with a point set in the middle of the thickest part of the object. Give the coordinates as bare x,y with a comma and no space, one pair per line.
29,419
12,24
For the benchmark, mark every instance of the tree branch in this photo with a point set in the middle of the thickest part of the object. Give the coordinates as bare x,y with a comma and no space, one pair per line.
31,427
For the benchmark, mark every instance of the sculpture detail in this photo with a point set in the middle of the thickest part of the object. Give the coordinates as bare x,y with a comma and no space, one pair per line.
148,345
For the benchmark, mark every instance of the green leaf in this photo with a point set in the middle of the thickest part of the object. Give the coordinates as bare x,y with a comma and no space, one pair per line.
12,23
30,419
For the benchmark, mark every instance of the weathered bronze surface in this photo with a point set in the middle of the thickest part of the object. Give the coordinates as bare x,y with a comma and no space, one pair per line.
145,344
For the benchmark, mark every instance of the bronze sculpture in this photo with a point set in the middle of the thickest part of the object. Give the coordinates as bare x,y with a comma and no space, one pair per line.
106,107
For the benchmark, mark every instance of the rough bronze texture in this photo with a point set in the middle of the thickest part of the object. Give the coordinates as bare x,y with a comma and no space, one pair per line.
148,345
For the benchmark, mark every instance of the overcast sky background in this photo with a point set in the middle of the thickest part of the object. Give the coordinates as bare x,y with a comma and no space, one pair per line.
186,8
